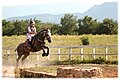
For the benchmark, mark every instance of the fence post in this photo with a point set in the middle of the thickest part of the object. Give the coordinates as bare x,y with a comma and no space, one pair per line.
8,54
37,56
106,52
70,52
27,57
81,54
94,53
16,54
48,57
59,54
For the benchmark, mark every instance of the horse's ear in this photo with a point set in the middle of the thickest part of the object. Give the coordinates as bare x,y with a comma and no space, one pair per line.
48,30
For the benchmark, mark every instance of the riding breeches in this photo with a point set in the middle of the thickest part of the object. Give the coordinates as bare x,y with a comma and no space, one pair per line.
29,36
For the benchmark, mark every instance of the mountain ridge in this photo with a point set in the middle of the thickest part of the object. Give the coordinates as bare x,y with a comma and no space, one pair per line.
99,12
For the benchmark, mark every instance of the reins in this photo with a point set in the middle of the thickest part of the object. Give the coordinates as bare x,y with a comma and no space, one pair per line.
34,38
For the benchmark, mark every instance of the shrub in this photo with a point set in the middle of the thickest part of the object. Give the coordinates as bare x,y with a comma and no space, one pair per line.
85,40
98,60
111,62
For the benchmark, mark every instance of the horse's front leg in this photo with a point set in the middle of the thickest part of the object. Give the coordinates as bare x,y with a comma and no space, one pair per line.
47,50
43,54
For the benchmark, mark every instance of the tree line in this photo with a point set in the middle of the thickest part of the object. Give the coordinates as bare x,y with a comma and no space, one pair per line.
69,25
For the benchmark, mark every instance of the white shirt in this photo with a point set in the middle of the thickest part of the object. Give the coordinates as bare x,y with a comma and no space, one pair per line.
30,29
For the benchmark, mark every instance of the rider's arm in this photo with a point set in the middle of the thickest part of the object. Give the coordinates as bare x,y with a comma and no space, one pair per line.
30,32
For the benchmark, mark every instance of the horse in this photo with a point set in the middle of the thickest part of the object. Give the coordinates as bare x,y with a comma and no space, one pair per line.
38,44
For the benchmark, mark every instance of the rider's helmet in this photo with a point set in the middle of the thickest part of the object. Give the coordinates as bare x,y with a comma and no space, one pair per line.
32,22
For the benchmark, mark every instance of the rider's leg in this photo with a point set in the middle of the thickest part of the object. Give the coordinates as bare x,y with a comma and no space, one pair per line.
29,40
29,43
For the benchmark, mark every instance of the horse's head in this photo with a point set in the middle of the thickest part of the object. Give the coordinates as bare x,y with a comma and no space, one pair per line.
48,35
45,34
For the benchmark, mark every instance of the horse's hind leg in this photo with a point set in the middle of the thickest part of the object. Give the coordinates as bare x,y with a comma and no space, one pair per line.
17,60
24,57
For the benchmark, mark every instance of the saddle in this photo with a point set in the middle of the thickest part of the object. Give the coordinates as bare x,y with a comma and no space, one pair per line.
26,44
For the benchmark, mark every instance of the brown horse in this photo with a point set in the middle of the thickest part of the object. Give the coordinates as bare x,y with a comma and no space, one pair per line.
38,43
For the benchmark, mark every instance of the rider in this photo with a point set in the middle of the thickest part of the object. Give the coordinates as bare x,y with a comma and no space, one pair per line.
31,31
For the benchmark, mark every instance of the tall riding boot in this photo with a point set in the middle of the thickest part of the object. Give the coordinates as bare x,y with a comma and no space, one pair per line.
29,43
32,42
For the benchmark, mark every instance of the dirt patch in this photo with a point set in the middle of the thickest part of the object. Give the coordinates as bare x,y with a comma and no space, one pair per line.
109,71
8,71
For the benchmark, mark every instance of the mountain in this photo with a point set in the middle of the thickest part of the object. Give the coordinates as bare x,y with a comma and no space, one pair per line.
99,12
106,10
42,17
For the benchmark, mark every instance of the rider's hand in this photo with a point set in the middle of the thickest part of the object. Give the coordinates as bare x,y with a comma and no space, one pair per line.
32,32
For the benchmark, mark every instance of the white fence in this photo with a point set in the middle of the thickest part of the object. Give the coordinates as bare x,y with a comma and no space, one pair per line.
70,48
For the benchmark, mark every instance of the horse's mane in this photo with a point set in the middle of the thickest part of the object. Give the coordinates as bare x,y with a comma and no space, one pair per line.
42,30
39,33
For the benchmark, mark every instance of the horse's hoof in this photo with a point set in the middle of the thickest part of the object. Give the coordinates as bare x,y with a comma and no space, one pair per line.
43,54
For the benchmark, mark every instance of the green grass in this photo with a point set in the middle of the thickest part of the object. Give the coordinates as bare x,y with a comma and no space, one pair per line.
98,60
64,40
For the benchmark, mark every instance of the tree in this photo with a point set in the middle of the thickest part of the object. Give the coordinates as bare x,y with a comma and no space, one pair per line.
18,27
108,26
55,29
69,24
7,28
24,25
87,25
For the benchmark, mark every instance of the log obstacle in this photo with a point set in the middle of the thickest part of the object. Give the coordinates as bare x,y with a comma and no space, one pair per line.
63,72
35,74
72,72
22,73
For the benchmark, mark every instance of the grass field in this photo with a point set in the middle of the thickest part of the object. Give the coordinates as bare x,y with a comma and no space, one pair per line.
68,40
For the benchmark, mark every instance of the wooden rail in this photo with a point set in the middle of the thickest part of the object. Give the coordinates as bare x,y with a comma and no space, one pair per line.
70,48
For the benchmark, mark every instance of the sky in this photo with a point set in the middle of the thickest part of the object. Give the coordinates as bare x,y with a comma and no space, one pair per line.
14,8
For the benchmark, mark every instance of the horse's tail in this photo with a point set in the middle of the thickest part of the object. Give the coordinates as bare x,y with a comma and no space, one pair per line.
15,49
